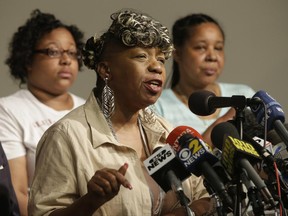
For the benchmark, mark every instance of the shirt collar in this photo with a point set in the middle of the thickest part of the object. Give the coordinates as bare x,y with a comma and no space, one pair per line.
156,132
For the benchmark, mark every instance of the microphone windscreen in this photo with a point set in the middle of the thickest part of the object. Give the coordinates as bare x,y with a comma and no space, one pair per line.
274,110
199,103
177,133
220,130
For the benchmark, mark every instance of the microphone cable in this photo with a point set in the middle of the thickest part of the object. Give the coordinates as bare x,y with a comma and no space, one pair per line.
281,205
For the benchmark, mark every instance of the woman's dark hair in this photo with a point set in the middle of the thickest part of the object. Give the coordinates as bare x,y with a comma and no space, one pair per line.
181,31
24,41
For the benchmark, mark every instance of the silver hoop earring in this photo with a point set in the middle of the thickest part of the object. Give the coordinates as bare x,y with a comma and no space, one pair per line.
107,100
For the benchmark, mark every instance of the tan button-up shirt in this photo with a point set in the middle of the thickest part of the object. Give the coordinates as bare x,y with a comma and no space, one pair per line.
81,143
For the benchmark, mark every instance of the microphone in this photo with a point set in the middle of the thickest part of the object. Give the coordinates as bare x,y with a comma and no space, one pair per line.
178,132
253,132
281,158
235,153
280,152
166,169
275,114
273,137
265,154
205,103
253,194
174,136
198,159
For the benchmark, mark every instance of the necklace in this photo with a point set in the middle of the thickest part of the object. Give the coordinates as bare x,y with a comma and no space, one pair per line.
142,134
156,210
156,207
144,139
111,128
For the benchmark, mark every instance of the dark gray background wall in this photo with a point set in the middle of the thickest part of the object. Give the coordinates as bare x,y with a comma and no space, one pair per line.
256,31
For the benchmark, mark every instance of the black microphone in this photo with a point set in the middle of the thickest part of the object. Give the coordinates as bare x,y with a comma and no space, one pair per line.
275,114
197,158
281,158
218,167
166,169
252,191
265,154
280,153
253,194
279,147
205,103
234,156
253,133
273,137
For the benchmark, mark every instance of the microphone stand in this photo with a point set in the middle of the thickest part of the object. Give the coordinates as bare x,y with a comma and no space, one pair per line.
184,201
219,204
253,193
176,186
239,119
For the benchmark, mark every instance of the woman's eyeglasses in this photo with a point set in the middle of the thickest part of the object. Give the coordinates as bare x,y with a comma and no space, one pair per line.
55,53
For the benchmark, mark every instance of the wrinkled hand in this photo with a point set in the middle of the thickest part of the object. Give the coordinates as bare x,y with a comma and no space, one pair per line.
105,183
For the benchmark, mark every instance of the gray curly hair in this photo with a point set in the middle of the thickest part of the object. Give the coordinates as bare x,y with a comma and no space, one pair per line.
131,29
